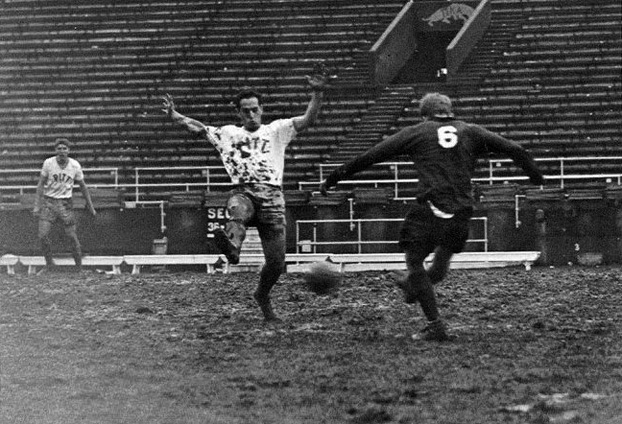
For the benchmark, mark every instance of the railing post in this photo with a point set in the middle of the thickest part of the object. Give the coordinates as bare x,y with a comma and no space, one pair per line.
396,175
136,196
359,247
314,237
485,234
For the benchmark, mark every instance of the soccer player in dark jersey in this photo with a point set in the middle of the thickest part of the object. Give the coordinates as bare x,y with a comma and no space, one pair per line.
444,151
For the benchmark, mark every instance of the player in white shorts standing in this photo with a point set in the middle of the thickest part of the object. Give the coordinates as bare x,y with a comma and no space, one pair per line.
254,156
54,200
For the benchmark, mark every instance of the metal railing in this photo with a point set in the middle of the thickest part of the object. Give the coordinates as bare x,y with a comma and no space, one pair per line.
496,170
113,172
356,225
140,174
206,172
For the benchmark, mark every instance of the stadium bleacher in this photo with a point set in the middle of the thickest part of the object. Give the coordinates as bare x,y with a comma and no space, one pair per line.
545,74
95,73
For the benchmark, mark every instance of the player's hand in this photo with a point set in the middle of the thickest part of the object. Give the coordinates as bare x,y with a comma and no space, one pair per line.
320,78
324,187
169,105
92,211
332,180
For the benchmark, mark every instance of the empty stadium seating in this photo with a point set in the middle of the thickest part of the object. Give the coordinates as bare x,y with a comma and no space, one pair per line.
546,74
95,73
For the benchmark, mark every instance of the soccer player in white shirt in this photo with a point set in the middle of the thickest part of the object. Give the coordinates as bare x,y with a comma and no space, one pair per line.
254,156
54,199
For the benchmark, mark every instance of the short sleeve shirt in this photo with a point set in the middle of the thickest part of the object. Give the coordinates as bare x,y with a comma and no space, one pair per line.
59,181
253,157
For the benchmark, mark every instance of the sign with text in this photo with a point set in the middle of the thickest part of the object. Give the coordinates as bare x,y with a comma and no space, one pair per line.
216,217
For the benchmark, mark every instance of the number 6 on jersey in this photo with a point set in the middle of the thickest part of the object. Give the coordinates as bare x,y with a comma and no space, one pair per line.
447,137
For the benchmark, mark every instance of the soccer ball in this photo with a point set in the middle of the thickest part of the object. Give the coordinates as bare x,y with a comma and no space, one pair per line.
322,277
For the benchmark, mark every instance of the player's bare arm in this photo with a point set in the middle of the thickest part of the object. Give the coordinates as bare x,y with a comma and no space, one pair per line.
317,82
39,195
191,125
87,197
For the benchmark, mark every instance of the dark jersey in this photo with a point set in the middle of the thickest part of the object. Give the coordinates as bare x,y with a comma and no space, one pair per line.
444,152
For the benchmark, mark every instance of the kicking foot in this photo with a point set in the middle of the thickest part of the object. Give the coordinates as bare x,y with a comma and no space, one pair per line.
435,331
401,281
226,246
266,309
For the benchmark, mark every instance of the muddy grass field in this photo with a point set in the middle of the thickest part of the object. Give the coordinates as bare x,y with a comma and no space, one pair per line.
539,346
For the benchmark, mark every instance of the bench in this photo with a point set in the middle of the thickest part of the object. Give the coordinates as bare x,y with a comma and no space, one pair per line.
9,261
297,262
32,262
211,262
395,261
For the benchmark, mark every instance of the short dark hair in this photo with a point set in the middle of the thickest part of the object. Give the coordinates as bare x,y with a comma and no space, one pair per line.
246,93
61,141
435,104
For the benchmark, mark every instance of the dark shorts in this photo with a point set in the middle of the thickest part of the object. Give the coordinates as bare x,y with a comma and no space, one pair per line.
268,202
423,231
58,209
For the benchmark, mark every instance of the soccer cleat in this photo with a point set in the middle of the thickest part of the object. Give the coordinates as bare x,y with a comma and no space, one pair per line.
435,331
410,296
226,246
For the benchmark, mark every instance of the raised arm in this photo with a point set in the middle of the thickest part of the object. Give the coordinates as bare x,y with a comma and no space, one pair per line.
317,82
191,125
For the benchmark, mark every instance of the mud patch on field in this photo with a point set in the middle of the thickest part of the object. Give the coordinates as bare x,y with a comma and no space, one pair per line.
539,346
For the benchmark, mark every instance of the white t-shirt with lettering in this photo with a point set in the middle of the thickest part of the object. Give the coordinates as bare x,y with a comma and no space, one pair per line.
59,181
253,157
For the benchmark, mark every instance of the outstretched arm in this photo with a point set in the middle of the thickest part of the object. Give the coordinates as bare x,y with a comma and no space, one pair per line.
317,82
386,149
516,152
191,125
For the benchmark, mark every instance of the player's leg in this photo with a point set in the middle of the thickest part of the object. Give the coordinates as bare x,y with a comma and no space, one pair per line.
451,238
45,228
440,264
271,226
229,241
76,248
422,290
274,244
417,239
67,216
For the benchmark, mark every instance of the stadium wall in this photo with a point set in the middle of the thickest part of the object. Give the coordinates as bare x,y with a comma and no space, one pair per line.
567,227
